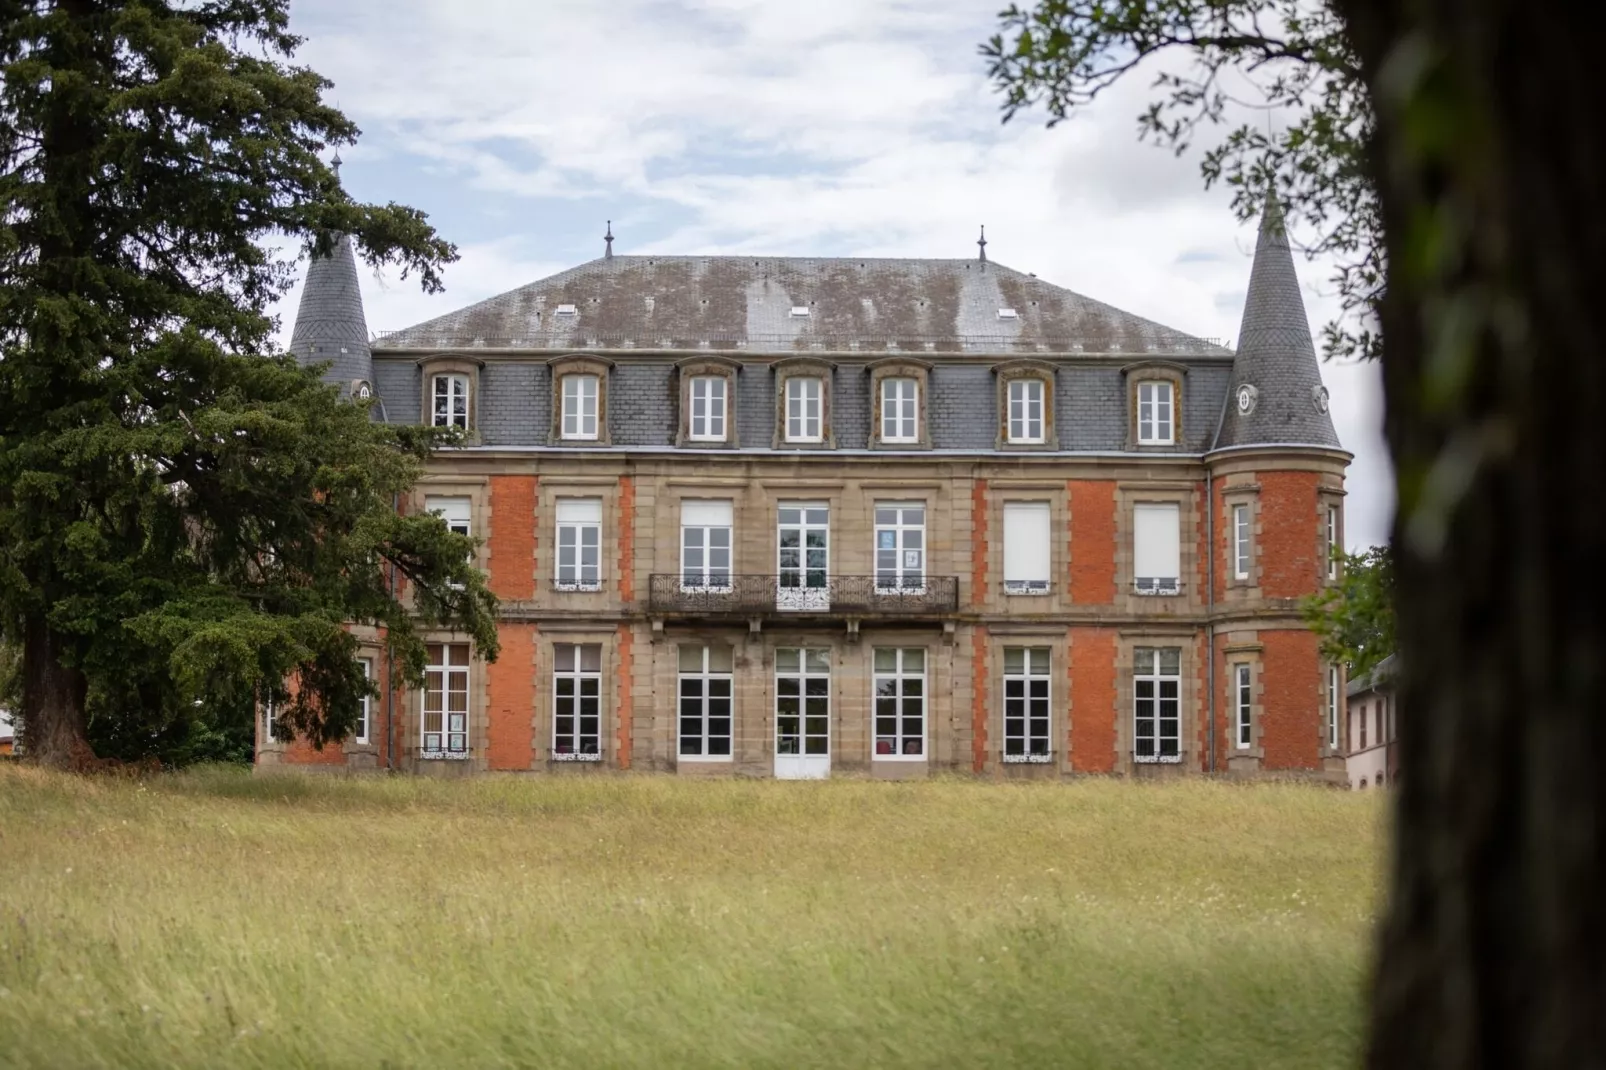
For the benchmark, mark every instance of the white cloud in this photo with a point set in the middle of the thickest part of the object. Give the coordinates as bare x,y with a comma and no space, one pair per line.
840,127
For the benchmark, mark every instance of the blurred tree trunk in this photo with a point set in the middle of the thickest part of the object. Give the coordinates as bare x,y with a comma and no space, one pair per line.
1488,160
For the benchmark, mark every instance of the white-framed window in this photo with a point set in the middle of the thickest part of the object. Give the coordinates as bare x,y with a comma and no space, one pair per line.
365,707
579,544
269,714
445,720
705,545
900,546
577,702
1026,704
900,405
803,701
804,407
1026,411
1332,706
803,547
900,703
1240,541
1155,423
449,396
1157,705
580,406
707,422
1333,547
1157,548
1026,547
455,511
1243,699
707,690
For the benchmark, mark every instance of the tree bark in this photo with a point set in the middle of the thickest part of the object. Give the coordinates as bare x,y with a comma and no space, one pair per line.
54,726
1489,163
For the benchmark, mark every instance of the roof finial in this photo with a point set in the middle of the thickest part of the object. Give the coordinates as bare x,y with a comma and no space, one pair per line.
336,162
982,243
607,239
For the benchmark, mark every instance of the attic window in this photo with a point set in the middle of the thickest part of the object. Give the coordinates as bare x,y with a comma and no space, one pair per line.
800,310
566,310
1008,314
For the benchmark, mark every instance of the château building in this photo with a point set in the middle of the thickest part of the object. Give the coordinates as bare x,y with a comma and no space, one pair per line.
795,517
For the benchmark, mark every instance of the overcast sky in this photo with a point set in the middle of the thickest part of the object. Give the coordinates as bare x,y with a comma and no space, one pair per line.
834,128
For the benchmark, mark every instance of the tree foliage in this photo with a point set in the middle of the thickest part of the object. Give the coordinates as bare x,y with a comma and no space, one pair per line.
1355,617
184,515
1285,56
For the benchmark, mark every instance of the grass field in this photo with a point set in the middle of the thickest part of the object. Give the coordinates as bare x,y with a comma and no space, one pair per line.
213,919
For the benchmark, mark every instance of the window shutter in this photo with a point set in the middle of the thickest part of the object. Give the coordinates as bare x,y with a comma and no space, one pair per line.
1157,543
579,510
699,513
1026,545
455,511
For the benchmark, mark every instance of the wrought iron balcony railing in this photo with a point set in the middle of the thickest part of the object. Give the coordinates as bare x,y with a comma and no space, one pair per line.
767,596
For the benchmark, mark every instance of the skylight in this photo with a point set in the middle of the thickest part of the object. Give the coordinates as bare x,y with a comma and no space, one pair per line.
566,310
1008,314
800,310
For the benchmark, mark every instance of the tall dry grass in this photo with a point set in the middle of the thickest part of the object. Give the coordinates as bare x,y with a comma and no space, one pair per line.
214,919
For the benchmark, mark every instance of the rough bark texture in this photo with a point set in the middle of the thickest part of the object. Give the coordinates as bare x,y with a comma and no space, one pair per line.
1489,167
54,728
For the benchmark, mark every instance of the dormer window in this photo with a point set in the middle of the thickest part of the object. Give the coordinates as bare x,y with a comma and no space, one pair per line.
1156,406
900,406
450,401
707,397
1026,411
804,408
580,395
899,394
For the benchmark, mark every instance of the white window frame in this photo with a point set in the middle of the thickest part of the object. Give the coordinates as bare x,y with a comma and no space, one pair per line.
803,425
900,409
1157,412
1332,542
1148,673
706,398
904,572
898,682
445,677
1027,427
808,563
1017,579
1332,707
702,541
1243,698
458,513
1028,698
568,702
582,396
1241,530
704,681
813,666
449,400
574,537
365,709
1155,584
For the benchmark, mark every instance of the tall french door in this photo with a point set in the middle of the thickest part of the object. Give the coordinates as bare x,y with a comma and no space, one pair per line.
802,713
803,541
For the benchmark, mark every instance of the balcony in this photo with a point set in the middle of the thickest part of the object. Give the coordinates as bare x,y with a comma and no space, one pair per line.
756,597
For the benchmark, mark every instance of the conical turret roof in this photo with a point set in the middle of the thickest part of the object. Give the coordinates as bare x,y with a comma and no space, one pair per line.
329,323
1286,403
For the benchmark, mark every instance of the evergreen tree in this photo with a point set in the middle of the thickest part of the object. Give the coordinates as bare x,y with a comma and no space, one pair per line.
1355,617
184,514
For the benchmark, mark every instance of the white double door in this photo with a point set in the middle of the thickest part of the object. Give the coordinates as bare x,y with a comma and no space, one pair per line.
803,557
802,713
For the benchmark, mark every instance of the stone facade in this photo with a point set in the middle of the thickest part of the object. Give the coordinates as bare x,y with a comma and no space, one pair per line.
803,662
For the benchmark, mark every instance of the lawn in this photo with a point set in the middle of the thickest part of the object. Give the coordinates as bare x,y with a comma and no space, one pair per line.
215,919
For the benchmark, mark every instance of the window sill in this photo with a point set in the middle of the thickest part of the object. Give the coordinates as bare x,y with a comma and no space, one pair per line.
1028,759
907,759
1174,759
577,757
1173,590
577,588
1029,592
708,759
444,756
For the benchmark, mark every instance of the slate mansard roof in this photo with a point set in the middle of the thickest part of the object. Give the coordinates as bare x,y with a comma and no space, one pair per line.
747,303
964,317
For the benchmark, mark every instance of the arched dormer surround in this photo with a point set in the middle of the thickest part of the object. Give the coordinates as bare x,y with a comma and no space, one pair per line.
1133,376
705,366
445,365
788,369
1017,400
894,369
575,366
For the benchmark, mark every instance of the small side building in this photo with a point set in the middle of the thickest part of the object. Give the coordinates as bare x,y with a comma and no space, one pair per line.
1373,757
